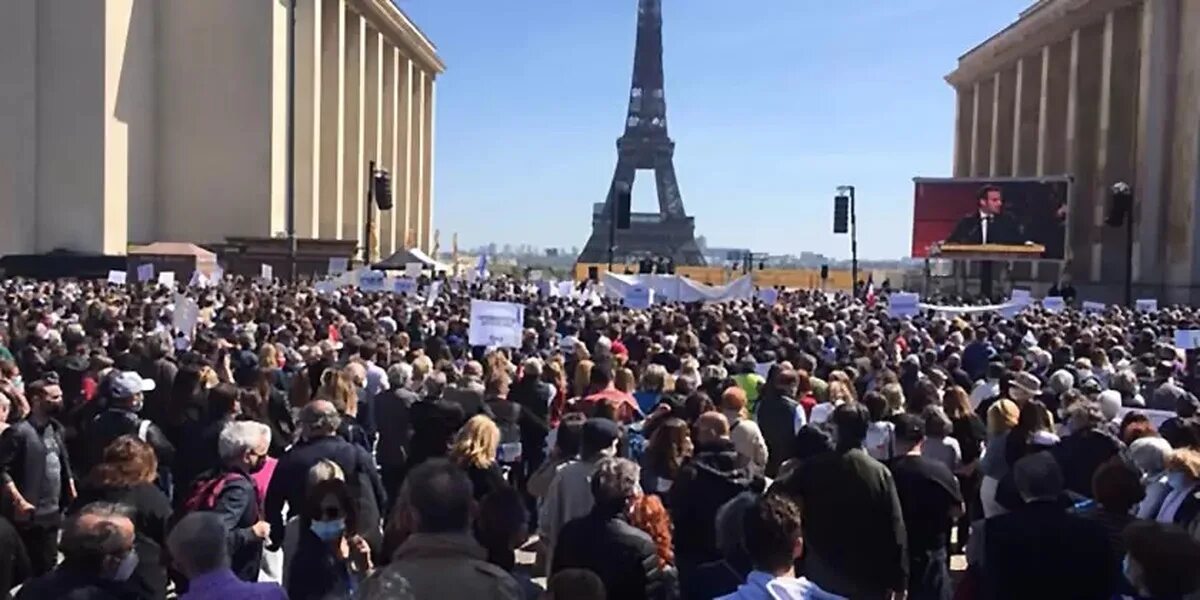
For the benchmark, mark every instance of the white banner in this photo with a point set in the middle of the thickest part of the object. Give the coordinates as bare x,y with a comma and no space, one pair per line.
117,277
1187,339
187,314
1147,305
903,304
372,281
166,279
266,272
676,288
566,288
639,297
1054,304
1093,307
145,272
496,324
338,265
405,285
769,296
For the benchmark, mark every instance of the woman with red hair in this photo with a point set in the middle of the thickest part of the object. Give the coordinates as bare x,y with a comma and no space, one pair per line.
648,514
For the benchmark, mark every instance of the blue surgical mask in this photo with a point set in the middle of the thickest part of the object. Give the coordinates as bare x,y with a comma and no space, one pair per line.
18,383
328,530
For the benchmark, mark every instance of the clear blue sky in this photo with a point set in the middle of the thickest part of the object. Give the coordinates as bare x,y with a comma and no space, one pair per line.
772,104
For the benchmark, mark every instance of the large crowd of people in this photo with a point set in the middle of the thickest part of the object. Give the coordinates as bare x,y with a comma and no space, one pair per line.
311,444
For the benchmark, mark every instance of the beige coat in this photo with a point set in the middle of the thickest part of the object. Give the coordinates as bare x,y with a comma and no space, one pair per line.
450,566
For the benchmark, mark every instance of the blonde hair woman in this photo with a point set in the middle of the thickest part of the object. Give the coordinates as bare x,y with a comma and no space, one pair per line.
839,393
474,450
1001,418
583,376
337,386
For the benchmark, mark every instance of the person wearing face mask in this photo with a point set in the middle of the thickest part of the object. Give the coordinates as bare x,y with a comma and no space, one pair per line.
1182,504
35,475
331,558
126,395
98,557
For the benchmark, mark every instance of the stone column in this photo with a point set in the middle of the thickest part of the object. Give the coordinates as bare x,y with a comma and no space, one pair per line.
1053,108
985,104
974,162
387,142
964,116
333,56
402,181
354,165
371,125
18,126
416,159
1159,43
1181,235
1082,129
1003,110
1117,134
427,166
308,119
1028,115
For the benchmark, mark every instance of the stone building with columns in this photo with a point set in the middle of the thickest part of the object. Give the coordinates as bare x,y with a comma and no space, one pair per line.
1103,91
131,121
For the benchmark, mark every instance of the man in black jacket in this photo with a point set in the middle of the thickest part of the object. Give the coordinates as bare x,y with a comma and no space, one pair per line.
604,542
14,561
393,412
705,483
318,422
780,417
534,396
35,472
127,392
854,526
988,224
1040,550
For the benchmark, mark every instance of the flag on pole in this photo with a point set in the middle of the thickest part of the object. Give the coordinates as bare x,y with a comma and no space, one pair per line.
481,267
870,291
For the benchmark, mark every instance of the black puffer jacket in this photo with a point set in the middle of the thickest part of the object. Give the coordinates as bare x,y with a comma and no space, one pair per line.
704,483
622,555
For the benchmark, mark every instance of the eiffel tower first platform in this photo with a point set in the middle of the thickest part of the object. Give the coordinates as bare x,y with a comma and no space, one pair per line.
645,146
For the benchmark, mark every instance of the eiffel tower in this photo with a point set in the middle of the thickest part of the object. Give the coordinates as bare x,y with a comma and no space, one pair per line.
645,145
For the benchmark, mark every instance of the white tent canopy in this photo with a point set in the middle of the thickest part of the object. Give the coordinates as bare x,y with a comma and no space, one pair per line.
402,258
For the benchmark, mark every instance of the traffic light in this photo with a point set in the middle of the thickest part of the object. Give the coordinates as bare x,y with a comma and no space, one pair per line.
824,272
624,204
841,214
382,182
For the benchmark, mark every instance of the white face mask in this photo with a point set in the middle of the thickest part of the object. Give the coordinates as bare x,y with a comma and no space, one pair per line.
125,570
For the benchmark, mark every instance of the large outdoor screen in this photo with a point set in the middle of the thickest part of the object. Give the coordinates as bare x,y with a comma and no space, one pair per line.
977,218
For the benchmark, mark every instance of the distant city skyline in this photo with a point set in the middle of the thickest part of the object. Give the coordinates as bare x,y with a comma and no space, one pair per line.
771,109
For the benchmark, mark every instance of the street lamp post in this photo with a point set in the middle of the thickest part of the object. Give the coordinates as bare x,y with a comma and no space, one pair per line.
849,191
290,152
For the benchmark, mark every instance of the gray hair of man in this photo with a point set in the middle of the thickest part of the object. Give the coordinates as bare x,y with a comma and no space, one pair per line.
239,437
318,419
728,524
1038,477
92,536
532,367
1084,415
1061,381
615,481
399,375
1126,382
435,385
198,544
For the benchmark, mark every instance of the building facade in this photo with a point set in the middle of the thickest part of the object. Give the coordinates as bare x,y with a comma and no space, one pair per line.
131,121
1104,91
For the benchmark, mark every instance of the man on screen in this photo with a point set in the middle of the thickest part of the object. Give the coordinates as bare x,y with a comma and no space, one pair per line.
988,225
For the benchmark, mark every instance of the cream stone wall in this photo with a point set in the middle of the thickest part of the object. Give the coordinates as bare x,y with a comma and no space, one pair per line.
131,121
1104,91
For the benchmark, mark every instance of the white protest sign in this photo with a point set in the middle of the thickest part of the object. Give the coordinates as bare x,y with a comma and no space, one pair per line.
1093,307
338,265
187,314
769,295
217,275
166,279
545,288
413,270
326,287
372,281
145,272
535,275
198,279
266,272
566,288
1187,339
117,277
1147,305
1054,304
903,304
496,324
404,285
1019,295
639,297
435,290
